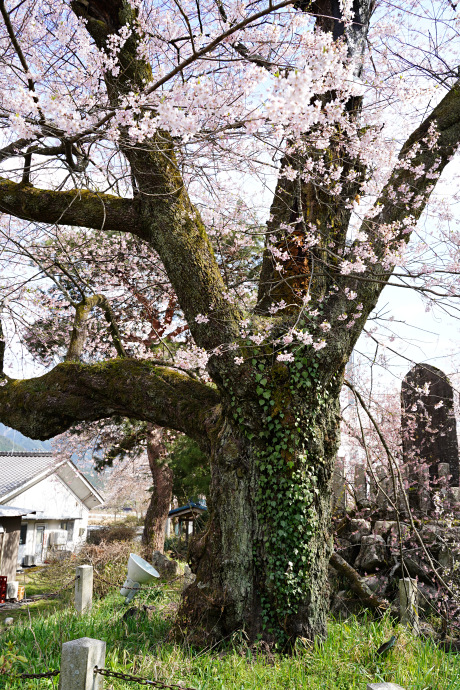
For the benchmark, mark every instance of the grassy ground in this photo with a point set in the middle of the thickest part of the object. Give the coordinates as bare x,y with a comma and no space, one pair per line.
345,661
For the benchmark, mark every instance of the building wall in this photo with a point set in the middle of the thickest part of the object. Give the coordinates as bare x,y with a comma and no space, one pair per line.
56,501
9,543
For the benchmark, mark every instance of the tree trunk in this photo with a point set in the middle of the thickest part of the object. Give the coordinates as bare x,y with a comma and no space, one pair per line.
262,564
160,501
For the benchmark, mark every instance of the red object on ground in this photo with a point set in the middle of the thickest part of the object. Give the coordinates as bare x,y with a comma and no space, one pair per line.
3,581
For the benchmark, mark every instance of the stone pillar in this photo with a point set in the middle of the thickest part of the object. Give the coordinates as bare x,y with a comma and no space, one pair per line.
382,483
339,486
408,602
360,486
84,588
78,659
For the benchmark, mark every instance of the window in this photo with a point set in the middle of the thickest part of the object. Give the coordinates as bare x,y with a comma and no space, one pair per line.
23,534
64,525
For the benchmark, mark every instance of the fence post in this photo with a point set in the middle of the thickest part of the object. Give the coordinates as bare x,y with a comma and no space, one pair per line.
408,602
78,659
84,588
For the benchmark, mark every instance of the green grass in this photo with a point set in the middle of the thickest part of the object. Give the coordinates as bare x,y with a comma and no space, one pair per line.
345,661
34,584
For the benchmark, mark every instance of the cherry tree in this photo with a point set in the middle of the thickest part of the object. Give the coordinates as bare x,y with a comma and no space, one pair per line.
150,130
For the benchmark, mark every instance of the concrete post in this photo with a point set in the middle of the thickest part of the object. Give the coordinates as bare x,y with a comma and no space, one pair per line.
84,588
78,659
408,602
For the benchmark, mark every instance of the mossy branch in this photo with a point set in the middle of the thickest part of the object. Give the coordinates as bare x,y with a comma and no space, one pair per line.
73,393
75,207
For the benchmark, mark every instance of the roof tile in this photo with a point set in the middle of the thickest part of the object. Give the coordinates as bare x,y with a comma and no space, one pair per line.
17,469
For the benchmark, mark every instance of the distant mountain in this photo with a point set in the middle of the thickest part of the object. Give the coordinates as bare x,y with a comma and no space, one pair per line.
6,445
12,440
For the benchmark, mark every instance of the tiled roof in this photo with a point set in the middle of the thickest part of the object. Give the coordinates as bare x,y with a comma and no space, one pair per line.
17,469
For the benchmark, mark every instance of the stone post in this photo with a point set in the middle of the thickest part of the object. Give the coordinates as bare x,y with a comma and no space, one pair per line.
360,486
84,588
408,602
78,659
339,486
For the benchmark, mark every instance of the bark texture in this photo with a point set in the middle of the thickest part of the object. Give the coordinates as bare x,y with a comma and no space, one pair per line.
162,484
264,557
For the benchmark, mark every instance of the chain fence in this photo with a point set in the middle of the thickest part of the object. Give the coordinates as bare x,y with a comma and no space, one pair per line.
120,585
108,674
139,679
28,676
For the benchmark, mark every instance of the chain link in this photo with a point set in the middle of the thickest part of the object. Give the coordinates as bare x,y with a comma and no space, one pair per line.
58,591
47,674
139,679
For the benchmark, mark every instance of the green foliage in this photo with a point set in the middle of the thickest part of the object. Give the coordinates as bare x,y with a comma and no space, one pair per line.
9,658
192,474
345,661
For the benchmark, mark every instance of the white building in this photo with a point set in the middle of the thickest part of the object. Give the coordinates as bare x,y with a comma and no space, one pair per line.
58,493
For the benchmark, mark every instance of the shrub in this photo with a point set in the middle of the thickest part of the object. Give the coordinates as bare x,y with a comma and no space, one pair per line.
109,561
112,533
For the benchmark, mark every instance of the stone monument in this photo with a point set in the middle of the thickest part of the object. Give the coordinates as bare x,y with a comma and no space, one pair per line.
429,433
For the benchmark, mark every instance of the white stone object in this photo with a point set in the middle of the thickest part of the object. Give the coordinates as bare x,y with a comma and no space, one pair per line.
78,659
130,589
384,686
139,573
84,588
408,602
9,621
12,589
455,494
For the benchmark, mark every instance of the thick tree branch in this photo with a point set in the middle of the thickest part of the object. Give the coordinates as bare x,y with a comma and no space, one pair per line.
402,202
170,222
430,157
15,148
2,352
80,326
72,393
300,205
75,207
